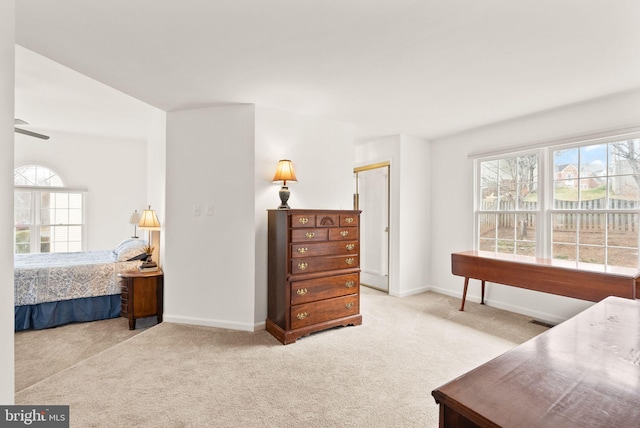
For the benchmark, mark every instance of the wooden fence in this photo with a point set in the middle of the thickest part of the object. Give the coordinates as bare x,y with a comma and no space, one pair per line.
561,221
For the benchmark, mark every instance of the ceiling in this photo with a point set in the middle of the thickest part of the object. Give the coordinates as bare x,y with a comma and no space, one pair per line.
426,68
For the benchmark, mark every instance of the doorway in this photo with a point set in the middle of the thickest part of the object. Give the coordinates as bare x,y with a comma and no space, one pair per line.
372,197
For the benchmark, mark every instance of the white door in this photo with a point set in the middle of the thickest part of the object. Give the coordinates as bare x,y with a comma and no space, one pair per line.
372,197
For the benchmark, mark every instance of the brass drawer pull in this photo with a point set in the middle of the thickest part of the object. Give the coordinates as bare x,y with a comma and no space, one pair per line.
302,266
310,235
350,261
348,220
301,291
303,250
344,233
303,220
350,246
349,284
349,305
302,315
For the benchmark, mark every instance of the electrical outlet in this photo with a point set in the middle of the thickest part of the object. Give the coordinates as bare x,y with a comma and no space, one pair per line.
196,210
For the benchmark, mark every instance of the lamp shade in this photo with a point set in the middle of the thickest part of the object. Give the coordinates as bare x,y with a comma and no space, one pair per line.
135,218
284,172
149,220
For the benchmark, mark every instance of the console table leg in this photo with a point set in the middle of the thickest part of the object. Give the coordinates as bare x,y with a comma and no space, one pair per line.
464,293
482,299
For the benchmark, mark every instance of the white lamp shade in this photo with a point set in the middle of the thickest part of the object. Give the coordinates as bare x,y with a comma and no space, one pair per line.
149,220
135,218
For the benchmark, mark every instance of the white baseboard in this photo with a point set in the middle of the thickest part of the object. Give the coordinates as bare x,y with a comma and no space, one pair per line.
211,323
410,292
538,315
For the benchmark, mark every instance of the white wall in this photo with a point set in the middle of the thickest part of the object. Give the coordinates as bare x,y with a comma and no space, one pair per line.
216,266
415,214
452,193
409,221
114,173
322,155
156,156
7,77
209,260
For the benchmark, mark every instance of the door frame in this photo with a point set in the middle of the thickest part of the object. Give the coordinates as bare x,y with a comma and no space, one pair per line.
356,206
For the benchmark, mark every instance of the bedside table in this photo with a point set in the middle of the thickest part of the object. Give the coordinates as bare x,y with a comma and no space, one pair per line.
142,295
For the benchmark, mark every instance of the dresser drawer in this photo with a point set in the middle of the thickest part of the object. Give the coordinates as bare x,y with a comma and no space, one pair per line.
324,310
320,264
324,288
343,233
309,235
324,249
348,220
327,220
303,220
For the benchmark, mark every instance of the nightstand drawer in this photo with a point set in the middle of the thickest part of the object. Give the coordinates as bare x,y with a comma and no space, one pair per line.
324,310
324,288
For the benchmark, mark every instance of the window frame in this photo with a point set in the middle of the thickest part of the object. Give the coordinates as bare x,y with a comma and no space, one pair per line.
546,183
35,225
518,211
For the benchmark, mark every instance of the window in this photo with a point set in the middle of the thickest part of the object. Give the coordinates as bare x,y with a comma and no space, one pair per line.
591,214
48,217
507,205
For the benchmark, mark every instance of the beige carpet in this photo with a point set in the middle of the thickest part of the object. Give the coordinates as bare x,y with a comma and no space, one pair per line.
380,374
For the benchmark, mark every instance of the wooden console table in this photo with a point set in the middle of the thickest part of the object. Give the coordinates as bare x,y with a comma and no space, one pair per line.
584,372
580,281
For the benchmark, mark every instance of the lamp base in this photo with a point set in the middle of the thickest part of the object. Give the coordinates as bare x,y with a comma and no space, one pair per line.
284,197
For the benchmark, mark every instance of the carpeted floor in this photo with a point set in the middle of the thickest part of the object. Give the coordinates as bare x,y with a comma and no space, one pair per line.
380,374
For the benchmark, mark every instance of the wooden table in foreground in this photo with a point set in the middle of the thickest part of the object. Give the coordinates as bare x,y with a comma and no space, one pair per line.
584,372
578,280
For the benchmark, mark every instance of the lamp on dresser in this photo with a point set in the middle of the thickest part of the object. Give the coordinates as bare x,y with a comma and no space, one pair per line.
284,173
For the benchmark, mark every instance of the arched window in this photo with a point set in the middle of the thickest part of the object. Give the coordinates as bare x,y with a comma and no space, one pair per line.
48,217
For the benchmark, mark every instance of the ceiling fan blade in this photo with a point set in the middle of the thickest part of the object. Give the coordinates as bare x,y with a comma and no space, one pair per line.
30,133
17,121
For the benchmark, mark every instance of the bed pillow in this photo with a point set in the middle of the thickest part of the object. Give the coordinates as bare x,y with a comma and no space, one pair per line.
124,243
129,248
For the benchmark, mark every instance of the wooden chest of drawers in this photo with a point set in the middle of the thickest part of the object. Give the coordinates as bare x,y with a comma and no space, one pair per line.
314,272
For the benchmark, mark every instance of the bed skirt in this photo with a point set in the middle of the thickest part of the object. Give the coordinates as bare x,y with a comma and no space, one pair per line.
52,314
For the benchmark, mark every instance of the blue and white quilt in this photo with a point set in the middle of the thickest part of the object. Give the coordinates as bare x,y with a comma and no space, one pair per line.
50,277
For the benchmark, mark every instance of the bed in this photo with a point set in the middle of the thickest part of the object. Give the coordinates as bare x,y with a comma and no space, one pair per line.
53,289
